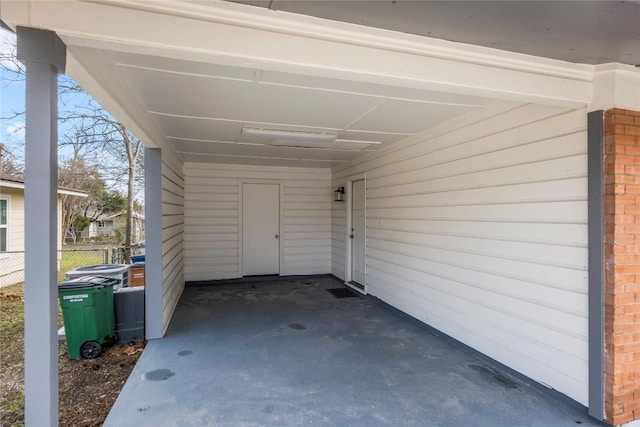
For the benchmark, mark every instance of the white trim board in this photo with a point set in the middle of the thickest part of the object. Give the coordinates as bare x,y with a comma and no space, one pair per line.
242,35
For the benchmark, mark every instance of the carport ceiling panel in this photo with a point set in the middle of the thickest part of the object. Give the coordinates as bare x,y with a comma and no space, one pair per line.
194,101
208,103
262,151
383,137
216,130
404,116
261,161
149,62
340,145
198,128
213,97
364,88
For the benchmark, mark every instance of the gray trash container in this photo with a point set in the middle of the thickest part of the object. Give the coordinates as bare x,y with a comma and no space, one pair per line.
129,314
117,271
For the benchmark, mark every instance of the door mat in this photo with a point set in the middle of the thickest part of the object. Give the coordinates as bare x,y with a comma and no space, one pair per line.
342,293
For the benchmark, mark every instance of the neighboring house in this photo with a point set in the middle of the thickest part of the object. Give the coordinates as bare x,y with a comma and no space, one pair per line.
109,225
12,227
477,195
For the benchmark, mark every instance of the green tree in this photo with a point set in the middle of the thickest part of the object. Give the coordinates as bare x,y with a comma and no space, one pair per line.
77,212
113,202
74,173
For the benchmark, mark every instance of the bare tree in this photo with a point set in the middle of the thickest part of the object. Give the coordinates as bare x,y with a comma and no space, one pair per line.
8,163
97,128
92,134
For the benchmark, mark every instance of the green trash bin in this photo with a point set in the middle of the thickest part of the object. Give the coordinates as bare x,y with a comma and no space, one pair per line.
87,311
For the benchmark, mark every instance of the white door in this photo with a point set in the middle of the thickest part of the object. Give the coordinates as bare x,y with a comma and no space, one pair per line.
260,229
358,232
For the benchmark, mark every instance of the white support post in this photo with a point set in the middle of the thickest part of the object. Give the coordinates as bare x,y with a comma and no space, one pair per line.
44,55
153,243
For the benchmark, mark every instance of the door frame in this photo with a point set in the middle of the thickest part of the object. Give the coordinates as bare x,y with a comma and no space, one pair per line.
349,222
241,183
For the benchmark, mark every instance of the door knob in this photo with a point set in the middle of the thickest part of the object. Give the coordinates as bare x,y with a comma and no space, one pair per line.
351,236
277,236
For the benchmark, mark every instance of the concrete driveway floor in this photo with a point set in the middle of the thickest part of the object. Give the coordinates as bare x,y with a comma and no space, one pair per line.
289,353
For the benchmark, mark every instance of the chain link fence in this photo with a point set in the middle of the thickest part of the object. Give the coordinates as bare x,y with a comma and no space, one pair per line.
121,255
12,262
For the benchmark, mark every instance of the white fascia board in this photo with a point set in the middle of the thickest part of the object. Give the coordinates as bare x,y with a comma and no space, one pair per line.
616,86
72,193
11,184
241,35
64,191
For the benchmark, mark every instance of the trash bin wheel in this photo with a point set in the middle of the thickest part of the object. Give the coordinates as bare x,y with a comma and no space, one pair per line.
91,349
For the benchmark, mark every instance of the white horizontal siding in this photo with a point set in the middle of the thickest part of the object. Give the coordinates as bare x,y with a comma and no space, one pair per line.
172,234
15,218
479,228
212,218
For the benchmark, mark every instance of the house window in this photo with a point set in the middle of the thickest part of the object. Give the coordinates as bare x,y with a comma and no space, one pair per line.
101,224
4,224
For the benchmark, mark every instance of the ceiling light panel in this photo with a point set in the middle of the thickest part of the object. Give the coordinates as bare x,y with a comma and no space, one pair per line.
289,135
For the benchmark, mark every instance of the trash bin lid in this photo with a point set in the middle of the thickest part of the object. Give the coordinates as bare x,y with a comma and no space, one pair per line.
129,290
100,269
88,282
137,258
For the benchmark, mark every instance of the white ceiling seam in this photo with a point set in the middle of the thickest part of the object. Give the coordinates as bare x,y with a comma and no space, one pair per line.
258,124
385,97
183,73
338,145
209,141
365,113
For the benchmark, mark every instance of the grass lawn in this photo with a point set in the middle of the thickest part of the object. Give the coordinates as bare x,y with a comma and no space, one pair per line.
87,388
11,343
76,258
76,377
12,338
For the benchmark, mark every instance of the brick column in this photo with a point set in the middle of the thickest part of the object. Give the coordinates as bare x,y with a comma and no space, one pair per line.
622,265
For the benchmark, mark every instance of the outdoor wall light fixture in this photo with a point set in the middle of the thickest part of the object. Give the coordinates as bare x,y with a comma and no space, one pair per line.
339,194
289,135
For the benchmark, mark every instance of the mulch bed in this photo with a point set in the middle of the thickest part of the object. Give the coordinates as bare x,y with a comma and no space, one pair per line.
88,388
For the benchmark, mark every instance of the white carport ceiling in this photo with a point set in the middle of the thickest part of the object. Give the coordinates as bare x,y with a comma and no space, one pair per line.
201,108
191,75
